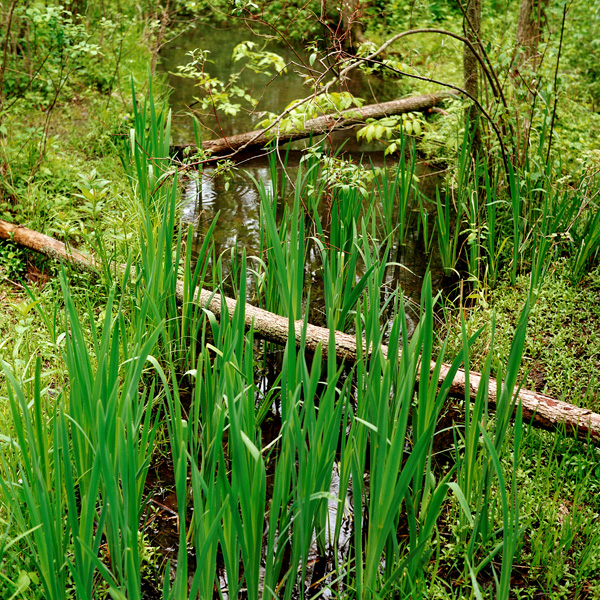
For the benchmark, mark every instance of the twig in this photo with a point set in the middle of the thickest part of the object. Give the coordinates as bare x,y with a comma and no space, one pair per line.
562,30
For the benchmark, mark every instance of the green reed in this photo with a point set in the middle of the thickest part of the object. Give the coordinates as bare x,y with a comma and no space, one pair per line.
285,249
447,234
396,192
423,225
84,471
74,469
32,486
584,229
339,249
492,240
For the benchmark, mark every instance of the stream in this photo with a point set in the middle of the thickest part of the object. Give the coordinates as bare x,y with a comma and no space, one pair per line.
236,198
237,201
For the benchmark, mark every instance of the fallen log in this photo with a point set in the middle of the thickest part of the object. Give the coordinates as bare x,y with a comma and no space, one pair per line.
49,247
542,411
320,125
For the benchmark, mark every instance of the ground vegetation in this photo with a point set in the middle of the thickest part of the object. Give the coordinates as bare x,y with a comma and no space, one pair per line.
151,450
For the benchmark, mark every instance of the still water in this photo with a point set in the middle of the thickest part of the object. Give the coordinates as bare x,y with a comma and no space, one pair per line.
237,202
236,199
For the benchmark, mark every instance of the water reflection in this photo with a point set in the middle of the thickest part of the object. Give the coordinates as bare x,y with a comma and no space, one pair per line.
273,93
238,205
236,199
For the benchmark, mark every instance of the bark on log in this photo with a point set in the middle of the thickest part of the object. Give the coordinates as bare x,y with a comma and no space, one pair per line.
45,245
542,411
320,125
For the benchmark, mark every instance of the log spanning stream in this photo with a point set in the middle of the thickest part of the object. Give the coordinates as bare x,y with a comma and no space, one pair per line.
542,411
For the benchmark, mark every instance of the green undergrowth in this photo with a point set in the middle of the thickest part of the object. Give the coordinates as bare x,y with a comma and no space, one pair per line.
47,192
558,478
456,499
62,129
440,502
558,481
562,348
25,334
120,394
439,57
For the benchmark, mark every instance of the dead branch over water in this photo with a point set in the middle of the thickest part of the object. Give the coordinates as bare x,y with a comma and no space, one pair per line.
321,125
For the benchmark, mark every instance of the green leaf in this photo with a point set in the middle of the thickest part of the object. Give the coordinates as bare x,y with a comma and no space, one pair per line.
391,148
461,500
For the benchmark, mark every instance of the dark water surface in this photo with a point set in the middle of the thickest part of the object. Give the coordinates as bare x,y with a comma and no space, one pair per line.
273,93
237,199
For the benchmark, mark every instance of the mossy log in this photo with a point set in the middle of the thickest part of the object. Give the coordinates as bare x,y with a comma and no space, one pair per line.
320,125
542,411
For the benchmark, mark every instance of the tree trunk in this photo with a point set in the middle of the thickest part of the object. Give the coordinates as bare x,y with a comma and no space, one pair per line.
527,61
542,411
3,64
529,31
472,29
320,125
